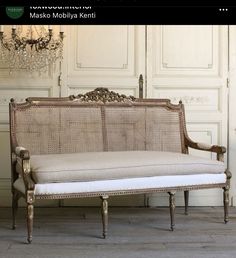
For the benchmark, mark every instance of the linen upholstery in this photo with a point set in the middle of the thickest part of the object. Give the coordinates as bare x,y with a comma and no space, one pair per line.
157,182
90,166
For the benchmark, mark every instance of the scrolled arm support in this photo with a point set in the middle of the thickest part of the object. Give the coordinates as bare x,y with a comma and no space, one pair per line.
22,153
27,174
23,157
228,174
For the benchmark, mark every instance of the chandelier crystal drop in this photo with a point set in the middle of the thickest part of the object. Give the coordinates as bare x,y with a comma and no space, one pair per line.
34,49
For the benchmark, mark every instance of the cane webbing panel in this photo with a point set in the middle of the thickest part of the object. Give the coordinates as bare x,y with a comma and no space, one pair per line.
163,130
54,129
125,127
48,129
37,129
143,128
81,129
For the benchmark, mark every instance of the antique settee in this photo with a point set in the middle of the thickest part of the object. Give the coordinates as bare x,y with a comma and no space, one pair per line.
102,144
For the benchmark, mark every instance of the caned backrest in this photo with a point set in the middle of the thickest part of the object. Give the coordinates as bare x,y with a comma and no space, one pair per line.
53,125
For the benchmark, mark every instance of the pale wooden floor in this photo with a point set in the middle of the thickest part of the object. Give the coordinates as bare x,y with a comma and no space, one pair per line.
133,232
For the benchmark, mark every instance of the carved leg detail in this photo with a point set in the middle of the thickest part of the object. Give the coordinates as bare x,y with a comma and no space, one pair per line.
30,214
186,198
15,198
30,217
172,210
104,215
226,204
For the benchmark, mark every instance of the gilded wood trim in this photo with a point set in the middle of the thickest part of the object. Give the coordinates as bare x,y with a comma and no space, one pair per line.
129,192
104,211
30,217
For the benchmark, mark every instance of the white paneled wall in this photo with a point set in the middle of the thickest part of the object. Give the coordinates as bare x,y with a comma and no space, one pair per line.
232,108
104,56
190,63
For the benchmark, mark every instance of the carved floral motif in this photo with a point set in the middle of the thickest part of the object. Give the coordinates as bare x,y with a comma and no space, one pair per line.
191,100
104,95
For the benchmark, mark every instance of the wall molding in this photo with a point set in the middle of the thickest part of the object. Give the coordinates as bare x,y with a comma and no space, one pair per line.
206,99
211,67
5,184
167,66
79,65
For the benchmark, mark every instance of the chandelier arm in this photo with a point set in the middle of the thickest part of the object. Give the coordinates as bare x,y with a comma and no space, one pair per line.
29,52
18,43
42,43
3,43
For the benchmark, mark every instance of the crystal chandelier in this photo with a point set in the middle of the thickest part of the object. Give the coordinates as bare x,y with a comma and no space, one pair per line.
33,49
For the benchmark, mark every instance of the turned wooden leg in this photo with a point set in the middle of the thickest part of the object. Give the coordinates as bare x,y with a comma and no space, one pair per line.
104,215
30,214
30,217
15,198
186,198
172,210
226,204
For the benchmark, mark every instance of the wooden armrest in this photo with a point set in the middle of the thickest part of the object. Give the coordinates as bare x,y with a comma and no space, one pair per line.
205,147
219,150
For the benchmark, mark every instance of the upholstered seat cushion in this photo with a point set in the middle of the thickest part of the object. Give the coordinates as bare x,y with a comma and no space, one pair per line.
94,188
92,166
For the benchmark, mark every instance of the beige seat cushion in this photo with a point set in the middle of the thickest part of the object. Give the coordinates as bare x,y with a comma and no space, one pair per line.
91,166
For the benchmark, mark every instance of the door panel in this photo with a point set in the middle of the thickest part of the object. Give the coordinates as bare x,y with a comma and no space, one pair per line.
104,56
185,50
190,63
